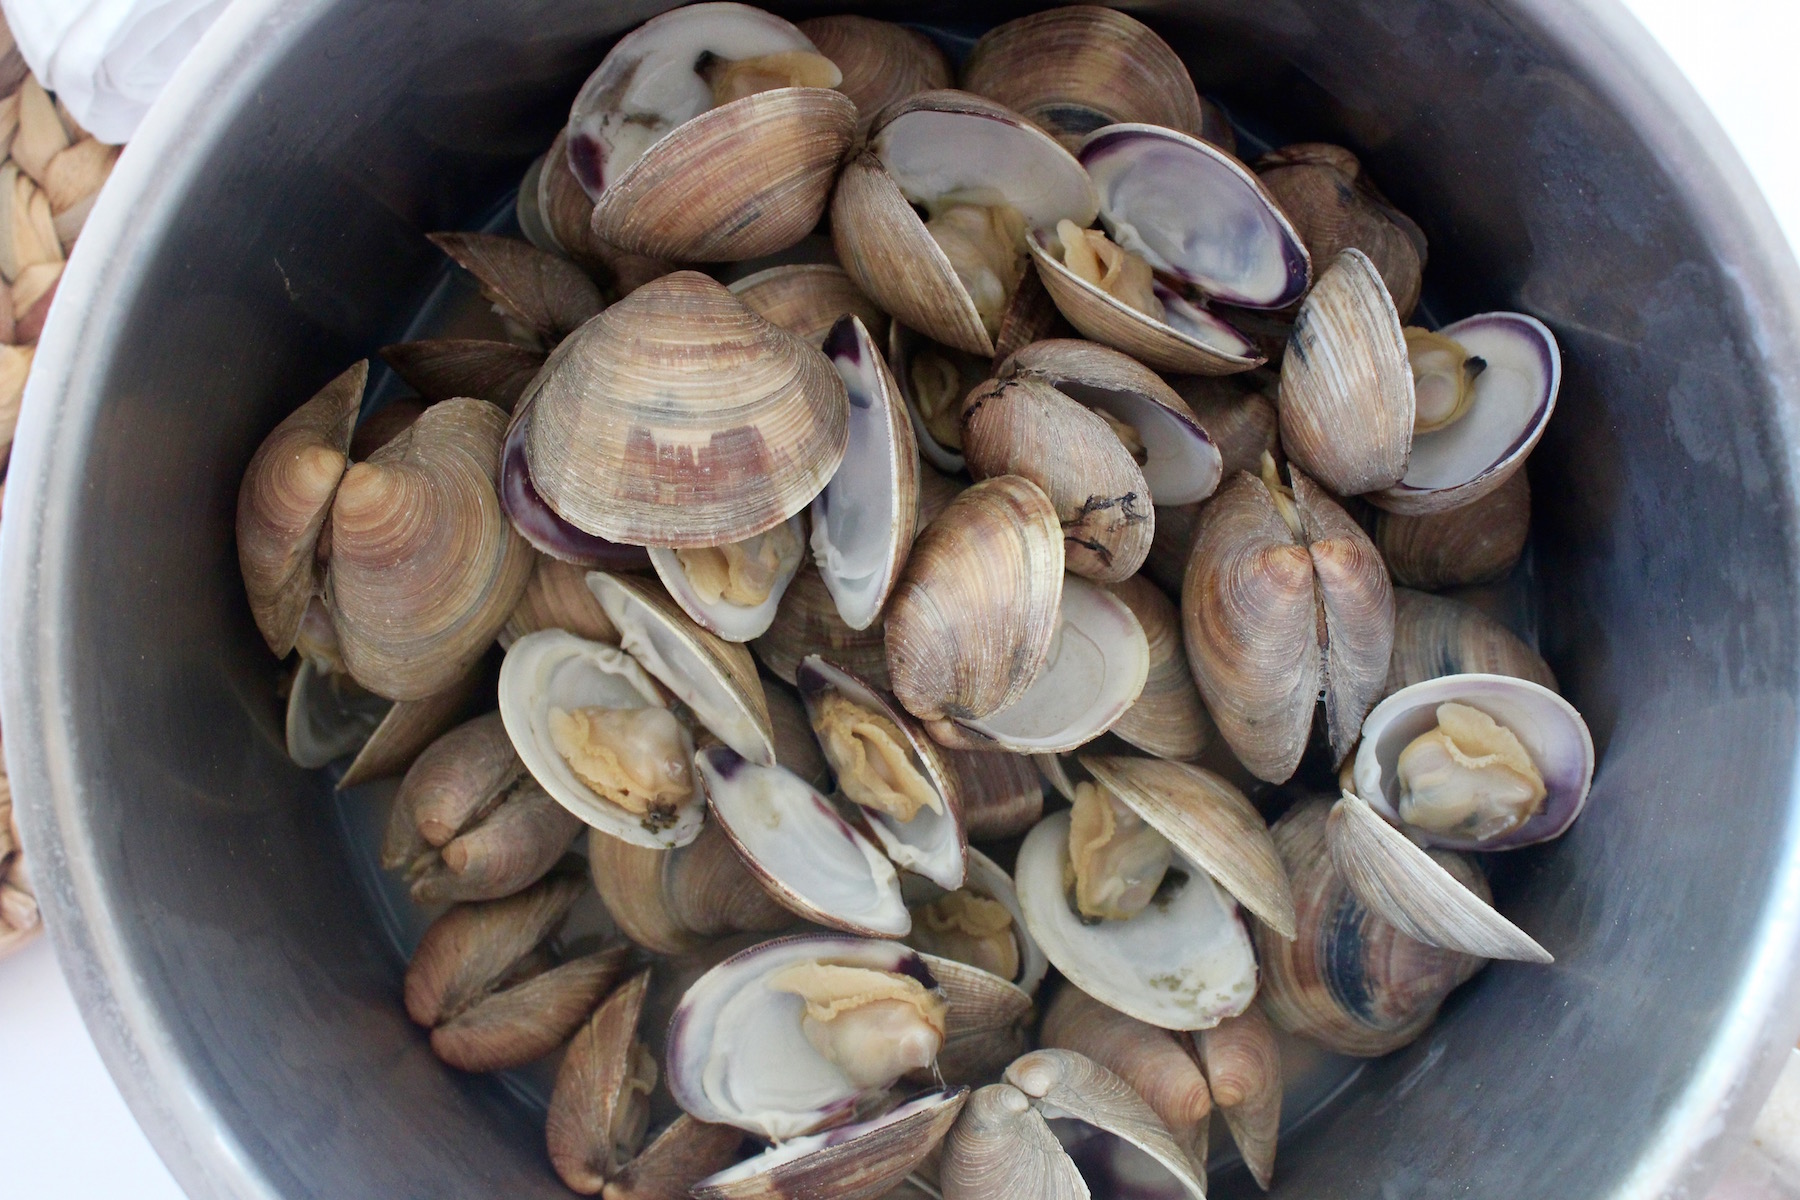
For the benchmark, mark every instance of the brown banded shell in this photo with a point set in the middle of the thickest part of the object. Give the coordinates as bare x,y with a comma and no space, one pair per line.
558,598
444,368
384,425
1237,414
674,901
1167,719
970,624
807,622
1243,1067
568,219
806,299
425,568
599,1107
1346,382
1002,795
936,491
1351,981
284,501
1026,428
1477,542
546,296
680,418
685,1152
882,62
984,1023
1435,635
409,727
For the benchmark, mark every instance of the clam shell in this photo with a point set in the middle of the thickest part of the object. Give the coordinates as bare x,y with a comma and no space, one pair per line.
807,622
455,781
1435,635
1548,726
590,1085
1185,963
1172,545
1346,383
1181,464
806,299
464,954
675,901
1238,417
558,598
550,296
732,622
989,879
1002,795
383,426
795,746
864,521
936,491
1357,598
1478,542
1032,316
1027,428
538,523
904,346
568,217
528,1020
424,566
676,1159
444,368
527,212
328,715
552,669
971,622
882,62
984,1024
716,679
1515,397
1002,1146
1167,719
681,418
1075,69
854,1162
1419,897
1243,1067
283,501
1351,981
409,727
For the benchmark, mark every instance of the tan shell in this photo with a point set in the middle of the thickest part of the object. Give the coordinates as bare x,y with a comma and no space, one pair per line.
409,727
807,622
675,901
549,296
1173,543
456,779
936,491
499,852
1001,793
1400,982
1251,606
1346,382
1027,428
882,62
1031,317
681,418
684,1153
443,368
970,624
1435,635
284,500
568,215
558,598
1002,1146
1168,719
425,567
858,1162
528,1020
384,425
590,1084
1155,1062
806,299
1075,69
1236,414
1334,206
1243,1065
1476,543
984,1026
742,180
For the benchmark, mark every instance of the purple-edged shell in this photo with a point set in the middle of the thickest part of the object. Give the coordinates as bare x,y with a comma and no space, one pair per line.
1549,728
1515,395
539,525
736,1054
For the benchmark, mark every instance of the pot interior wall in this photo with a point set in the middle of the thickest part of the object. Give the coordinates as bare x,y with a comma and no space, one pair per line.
1664,543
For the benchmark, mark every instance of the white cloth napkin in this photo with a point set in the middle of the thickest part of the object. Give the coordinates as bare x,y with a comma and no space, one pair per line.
107,59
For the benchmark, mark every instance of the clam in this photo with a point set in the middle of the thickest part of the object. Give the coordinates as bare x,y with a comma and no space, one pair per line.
1026,428
1243,1067
807,622
790,1036
797,845
984,1023
1238,414
1476,762
1002,793
806,299
936,491
715,679
733,590
933,379
408,727
986,177
1435,635
882,62
329,715
1351,981
886,765
1476,441
1334,206
1347,408
1167,719
565,216
675,901
685,1152
971,622
1153,1061
539,524
543,298
1476,542
1002,1146
1075,69
863,522
680,418
863,1161
593,729
1275,573
1183,962
979,923
1403,883
283,503
1184,223
600,1109
424,566
558,598
1180,464
709,133
444,368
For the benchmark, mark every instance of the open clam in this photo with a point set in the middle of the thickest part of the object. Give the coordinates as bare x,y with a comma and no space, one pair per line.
709,133
882,62
538,523
979,923
1477,542
986,177
734,589
600,1110
807,299
933,379
1476,762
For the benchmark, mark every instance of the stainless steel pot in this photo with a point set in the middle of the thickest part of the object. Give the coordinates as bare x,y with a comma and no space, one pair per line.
264,229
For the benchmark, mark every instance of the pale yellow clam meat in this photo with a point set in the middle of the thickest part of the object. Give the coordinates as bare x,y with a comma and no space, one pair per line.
872,1025
1117,859
1443,379
632,757
869,756
742,572
1118,272
1468,776
986,247
970,929
938,392
1127,435
733,79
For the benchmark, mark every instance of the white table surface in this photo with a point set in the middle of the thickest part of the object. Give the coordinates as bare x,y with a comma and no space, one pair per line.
65,1134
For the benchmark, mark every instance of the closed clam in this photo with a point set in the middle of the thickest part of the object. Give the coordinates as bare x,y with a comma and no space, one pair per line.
1267,564
284,500
709,133
807,622
1435,635
881,62
424,566
807,299
542,298
540,524
675,901
679,1156
444,368
1478,542
600,1110
1243,1068
986,177
1003,1146
1167,719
